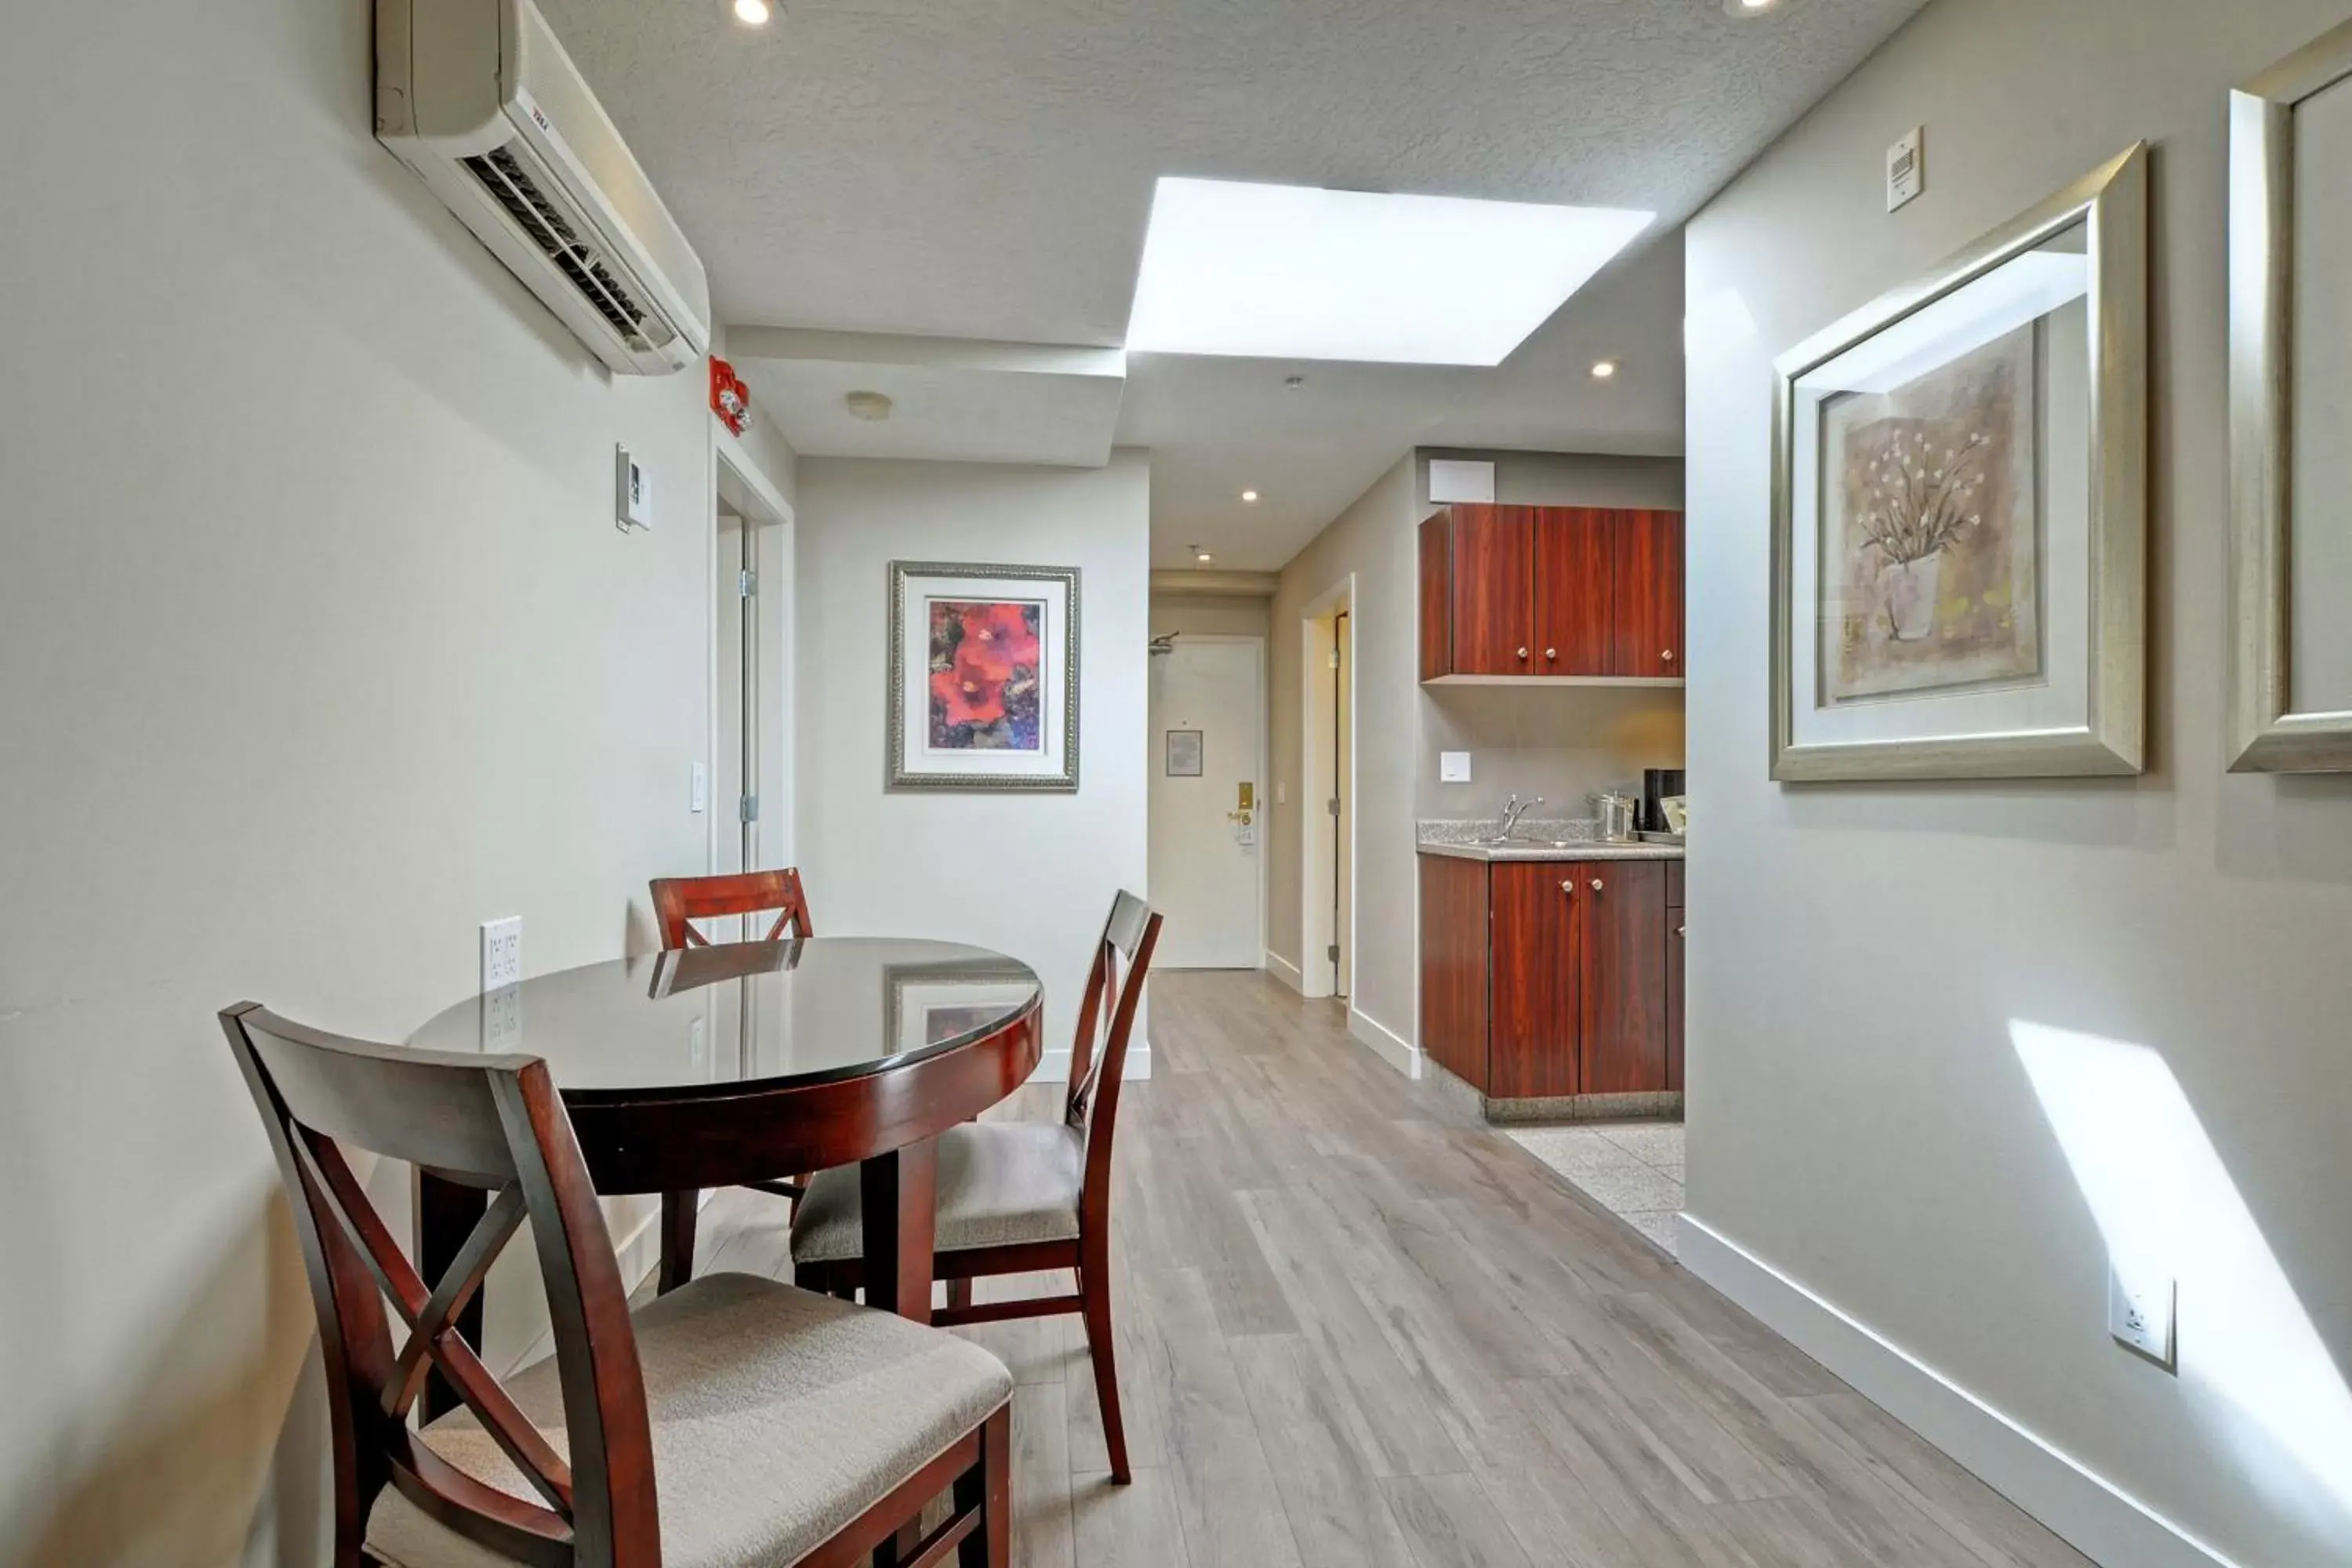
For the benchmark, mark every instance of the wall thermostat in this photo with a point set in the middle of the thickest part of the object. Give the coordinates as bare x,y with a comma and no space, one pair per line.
635,506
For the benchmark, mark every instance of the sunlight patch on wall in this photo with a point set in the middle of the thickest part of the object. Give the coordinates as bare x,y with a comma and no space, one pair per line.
2252,1365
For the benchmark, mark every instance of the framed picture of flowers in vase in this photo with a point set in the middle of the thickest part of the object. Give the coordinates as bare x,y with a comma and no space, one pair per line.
983,677
1959,512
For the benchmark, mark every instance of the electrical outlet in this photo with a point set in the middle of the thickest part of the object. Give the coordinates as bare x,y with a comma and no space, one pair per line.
2139,1312
502,1020
1453,767
502,953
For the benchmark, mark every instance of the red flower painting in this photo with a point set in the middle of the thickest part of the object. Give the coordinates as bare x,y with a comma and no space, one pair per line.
985,675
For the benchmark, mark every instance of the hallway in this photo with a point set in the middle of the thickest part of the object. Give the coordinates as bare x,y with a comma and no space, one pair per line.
1357,1327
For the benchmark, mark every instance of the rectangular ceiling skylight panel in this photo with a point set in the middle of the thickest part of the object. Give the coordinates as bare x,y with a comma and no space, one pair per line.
1294,272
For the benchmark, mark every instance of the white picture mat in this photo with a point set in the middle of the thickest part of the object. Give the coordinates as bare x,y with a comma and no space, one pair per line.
2319,576
917,755
2051,284
915,1001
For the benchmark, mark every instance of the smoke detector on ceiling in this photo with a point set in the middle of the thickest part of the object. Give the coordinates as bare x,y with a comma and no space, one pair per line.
872,406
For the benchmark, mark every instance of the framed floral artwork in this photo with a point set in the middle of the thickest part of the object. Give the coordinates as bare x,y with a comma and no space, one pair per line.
2290,412
984,673
1959,510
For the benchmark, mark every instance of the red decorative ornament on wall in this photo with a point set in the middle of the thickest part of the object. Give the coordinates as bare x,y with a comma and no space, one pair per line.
730,398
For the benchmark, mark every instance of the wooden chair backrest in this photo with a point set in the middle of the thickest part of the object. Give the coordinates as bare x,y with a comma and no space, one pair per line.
495,1122
679,902
1098,1057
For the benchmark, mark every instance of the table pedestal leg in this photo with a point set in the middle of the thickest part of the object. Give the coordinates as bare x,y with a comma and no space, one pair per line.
447,1215
899,1192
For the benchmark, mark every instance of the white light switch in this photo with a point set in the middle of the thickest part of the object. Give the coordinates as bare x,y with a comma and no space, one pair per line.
1453,767
698,788
1906,169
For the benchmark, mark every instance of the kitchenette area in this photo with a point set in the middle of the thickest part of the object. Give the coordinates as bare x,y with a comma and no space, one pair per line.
1550,848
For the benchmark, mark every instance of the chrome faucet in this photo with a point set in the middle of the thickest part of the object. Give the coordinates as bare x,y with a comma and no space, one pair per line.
1512,810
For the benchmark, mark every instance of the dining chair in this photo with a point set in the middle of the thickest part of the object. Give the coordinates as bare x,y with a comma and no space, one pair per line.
1020,1197
737,1423
679,902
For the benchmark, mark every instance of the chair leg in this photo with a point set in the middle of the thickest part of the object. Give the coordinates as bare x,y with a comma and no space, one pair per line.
959,1294
1094,1297
679,1212
987,1486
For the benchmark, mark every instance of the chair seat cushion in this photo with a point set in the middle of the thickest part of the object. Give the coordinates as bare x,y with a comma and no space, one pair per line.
778,1417
1000,1184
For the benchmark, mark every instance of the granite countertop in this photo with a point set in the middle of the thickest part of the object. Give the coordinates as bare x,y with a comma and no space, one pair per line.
1532,841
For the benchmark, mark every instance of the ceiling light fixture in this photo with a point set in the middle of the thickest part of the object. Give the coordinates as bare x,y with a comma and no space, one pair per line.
753,13
1748,7
1249,495
1293,383
1294,272
1603,369
871,406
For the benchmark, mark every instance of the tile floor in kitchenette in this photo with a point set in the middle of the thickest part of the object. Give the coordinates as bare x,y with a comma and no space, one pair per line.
1633,1169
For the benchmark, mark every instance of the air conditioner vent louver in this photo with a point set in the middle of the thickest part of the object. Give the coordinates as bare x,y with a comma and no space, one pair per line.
511,186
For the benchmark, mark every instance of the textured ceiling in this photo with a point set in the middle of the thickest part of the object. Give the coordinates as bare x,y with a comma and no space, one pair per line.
984,169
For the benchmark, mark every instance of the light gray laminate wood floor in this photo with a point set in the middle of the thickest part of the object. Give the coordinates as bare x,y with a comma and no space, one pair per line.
1356,1326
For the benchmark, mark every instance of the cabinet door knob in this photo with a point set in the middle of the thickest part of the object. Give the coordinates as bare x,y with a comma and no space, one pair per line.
1596,885
1551,653
1668,656
1523,653
1568,887
1682,931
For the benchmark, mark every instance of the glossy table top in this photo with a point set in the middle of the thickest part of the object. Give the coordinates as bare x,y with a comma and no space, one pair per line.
806,1012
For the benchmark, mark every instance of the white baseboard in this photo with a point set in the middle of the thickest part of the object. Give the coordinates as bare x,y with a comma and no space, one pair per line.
1053,1067
1386,1044
1281,969
2101,1520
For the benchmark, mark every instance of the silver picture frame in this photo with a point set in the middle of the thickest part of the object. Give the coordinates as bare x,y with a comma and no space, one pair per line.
2111,206
2268,731
907,577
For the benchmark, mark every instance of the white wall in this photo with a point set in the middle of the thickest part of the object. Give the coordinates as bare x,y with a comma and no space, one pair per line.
317,648
1374,541
1031,875
1861,1122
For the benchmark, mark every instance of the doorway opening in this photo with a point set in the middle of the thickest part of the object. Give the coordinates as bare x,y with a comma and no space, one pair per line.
1205,803
1327,807
746,793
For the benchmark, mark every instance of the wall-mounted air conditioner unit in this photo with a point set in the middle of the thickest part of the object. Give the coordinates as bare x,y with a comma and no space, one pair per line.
479,98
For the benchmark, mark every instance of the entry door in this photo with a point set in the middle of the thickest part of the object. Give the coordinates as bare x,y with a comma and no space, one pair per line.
1204,857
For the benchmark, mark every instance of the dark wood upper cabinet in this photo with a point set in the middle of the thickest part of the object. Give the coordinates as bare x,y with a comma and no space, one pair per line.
1646,599
1622,974
1574,567
1536,946
1494,609
1564,593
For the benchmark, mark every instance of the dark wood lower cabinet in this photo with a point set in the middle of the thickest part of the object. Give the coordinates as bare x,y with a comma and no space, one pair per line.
1675,926
1532,1038
1453,965
1621,1011
1544,980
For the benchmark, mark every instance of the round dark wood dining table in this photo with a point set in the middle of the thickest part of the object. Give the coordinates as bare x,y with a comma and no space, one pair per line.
724,1065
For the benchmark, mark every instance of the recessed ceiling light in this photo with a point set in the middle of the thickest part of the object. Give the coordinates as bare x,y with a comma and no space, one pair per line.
1249,495
1603,369
873,406
1748,8
1294,272
753,13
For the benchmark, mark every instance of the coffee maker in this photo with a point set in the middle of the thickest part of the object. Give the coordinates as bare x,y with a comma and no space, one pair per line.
1656,785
